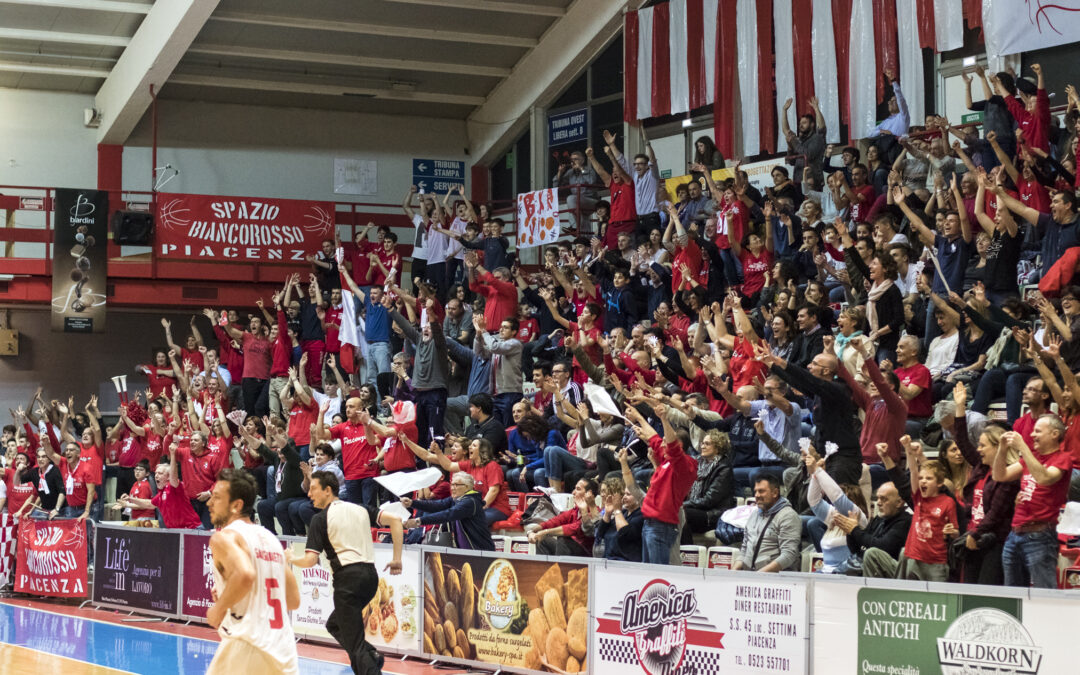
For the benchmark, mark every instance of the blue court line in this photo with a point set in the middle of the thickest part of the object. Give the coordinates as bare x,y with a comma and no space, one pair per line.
135,650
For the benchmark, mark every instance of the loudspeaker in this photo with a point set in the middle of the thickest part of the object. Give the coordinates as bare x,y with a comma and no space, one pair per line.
133,228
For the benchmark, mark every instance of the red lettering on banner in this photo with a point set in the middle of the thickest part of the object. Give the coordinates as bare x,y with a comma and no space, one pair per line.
228,228
51,558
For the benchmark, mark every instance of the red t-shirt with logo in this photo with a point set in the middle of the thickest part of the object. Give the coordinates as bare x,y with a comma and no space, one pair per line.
151,446
754,269
75,482
199,472
926,540
256,357
160,384
356,452
175,507
131,450
141,490
731,222
486,476
112,452
17,494
918,375
1042,504
860,211
333,329
978,511
301,417
623,207
528,330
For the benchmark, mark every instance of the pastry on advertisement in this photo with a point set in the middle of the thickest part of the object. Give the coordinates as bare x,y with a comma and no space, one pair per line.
552,578
577,589
553,609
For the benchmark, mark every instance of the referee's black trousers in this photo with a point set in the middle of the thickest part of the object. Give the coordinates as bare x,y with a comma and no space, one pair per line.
354,587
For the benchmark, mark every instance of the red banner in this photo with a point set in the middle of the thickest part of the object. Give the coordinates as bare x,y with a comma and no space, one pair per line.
51,558
243,229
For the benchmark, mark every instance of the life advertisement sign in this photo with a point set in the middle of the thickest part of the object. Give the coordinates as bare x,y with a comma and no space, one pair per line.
522,613
51,558
80,238
899,629
667,622
390,620
137,567
198,576
538,218
224,229
758,174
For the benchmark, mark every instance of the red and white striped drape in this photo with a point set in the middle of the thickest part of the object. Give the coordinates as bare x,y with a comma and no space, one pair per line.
746,57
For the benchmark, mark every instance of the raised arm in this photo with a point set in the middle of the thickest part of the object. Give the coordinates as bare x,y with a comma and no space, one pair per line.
406,204
926,235
604,175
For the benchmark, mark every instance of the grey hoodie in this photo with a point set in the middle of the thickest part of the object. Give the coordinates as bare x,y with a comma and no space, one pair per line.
781,540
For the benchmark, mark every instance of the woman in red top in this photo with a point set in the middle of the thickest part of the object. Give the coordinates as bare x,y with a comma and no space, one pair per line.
743,367
486,472
160,375
756,256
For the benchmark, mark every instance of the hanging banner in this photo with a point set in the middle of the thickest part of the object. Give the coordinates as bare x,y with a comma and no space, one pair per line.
530,614
198,576
80,238
1023,27
390,620
681,623
538,218
137,568
224,229
8,531
52,558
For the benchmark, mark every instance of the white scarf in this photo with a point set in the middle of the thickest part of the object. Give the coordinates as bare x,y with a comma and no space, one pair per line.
876,291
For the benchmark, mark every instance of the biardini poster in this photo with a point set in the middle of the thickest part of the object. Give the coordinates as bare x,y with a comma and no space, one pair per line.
80,238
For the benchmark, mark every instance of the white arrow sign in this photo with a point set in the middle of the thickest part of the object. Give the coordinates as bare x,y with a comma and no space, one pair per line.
422,167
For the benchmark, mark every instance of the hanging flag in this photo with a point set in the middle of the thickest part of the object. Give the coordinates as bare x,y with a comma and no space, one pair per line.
1020,27
348,334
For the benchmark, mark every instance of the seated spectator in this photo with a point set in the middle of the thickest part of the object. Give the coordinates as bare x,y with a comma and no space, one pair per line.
483,422
487,475
588,433
568,532
527,442
713,492
618,530
887,530
302,511
288,479
464,507
845,500
171,500
771,540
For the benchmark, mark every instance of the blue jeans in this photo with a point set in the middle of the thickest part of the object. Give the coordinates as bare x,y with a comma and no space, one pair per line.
657,538
504,404
516,477
557,460
1031,559
301,511
732,267
281,512
996,382
493,515
362,491
378,361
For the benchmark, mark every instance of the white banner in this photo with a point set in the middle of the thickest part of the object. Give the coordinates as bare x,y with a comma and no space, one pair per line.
538,218
667,622
894,627
1013,27
7,548
391,618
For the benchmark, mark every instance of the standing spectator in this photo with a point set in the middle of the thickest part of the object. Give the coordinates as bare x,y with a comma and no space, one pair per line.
885,412
669,486
773,532
376,331
170,500
646,179
257,360
1031,549
809,143
46,479
623,216
431,372
357,454
505,354
324,263
499,292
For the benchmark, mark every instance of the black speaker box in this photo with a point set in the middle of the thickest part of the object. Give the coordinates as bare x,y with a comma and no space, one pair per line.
133,228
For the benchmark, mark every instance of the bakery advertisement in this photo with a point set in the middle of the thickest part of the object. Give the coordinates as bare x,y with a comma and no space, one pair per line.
530,614
390,619
678,623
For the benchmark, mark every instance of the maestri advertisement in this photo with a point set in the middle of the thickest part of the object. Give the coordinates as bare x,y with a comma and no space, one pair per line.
52,558
522,613
81,233
137,568
226,229
688,624
391,619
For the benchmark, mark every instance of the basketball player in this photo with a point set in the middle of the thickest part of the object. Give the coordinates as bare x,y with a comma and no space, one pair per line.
343,531
254,588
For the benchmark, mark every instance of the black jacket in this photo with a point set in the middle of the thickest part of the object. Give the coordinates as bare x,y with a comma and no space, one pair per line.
491,429
805,347
888,534
466,518
624,544
717,493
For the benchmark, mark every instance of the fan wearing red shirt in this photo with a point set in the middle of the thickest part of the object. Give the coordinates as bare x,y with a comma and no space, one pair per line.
756,256
199,467
564,534
358,451
357,254
1031,549
160,375
933,524
141,490
332,322
302,408
488,478
1033,115
257,360
171,498
528,327
189,353
384,264
669,486
687,252
623,208
586,323
500,293
80,484
914,378
860,194
18,491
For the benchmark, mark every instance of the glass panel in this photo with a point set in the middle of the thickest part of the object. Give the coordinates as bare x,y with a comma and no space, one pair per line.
607,70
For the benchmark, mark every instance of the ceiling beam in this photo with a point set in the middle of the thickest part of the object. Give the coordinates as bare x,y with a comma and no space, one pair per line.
44,69
385,30
155,49
324,89
348,60
68,38
564,50
93,5
493,6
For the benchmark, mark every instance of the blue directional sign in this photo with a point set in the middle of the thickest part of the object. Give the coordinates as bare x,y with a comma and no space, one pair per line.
568,127
437,175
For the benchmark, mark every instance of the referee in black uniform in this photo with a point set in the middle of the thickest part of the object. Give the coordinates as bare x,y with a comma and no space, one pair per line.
343,531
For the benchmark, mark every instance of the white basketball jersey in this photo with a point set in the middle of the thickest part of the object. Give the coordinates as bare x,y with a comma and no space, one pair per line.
262,618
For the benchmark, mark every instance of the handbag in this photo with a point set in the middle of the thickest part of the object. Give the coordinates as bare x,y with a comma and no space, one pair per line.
853,565
440,537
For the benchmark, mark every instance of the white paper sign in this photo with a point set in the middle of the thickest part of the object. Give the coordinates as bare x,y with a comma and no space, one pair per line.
600,400
407,482
356,177
538,218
